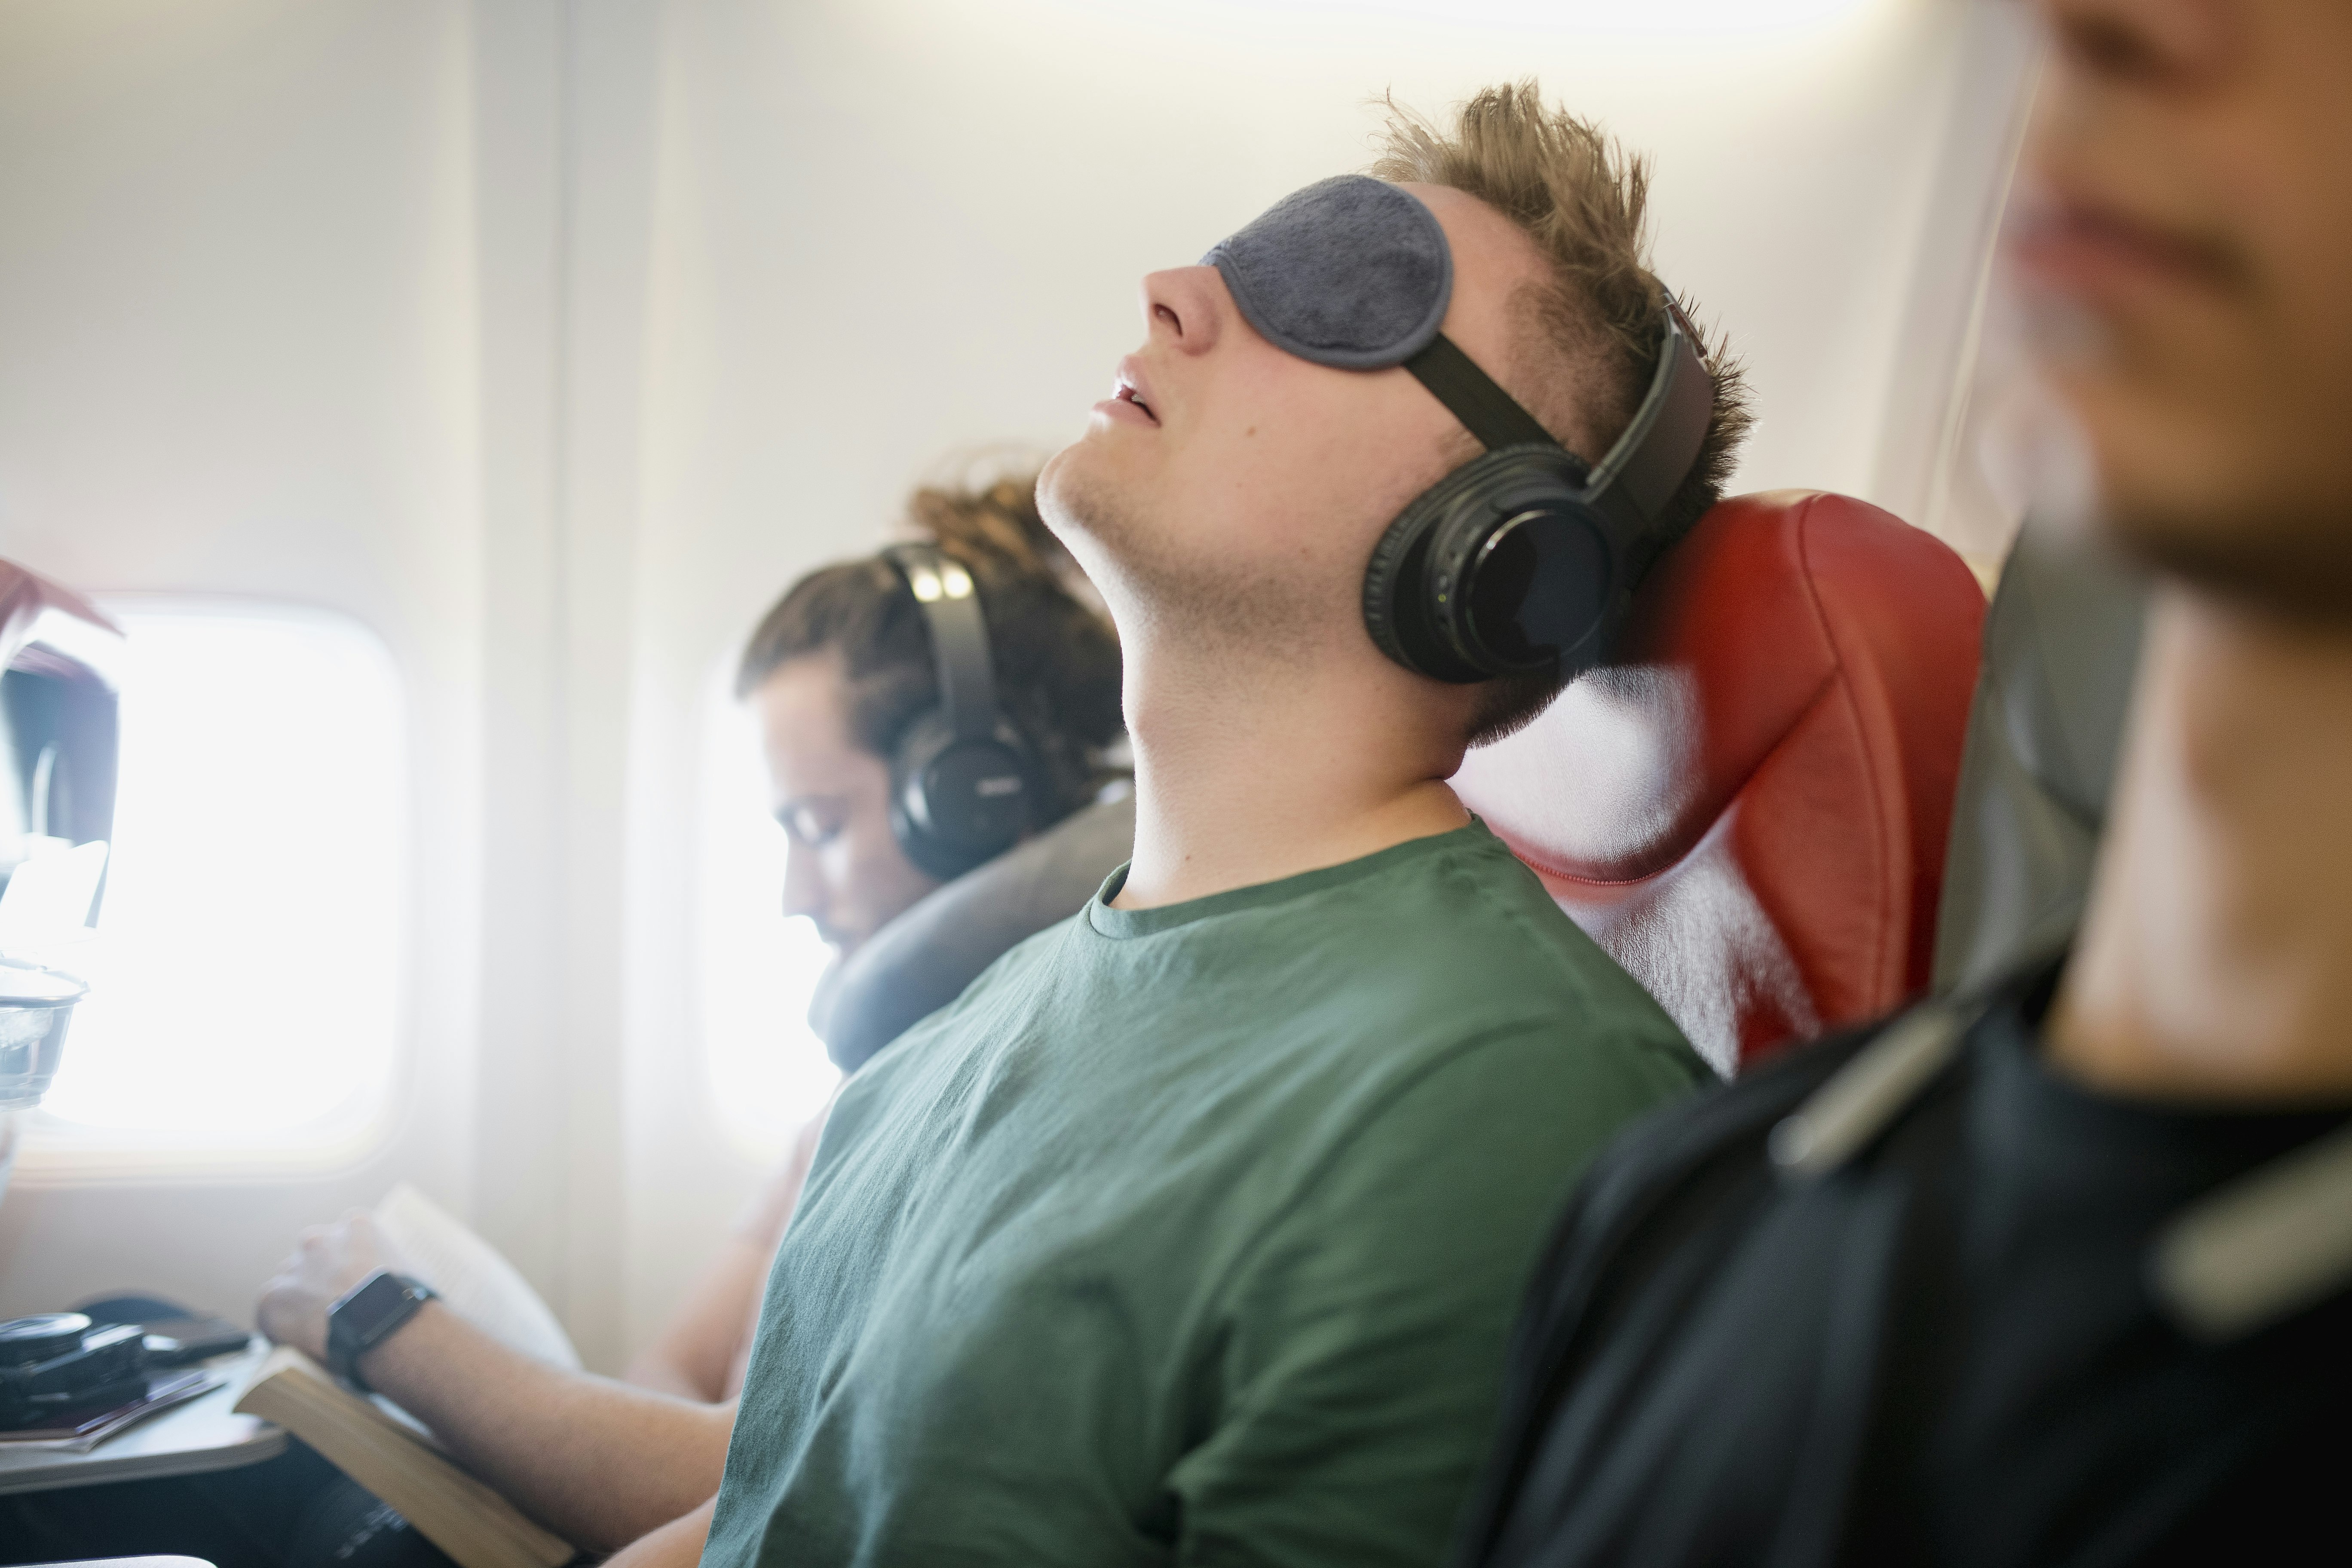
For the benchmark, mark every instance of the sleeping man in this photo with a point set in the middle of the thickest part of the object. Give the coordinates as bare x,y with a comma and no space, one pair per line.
1192,1230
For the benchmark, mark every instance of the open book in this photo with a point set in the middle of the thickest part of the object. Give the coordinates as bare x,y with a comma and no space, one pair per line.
380,1446
456,1513
475,1282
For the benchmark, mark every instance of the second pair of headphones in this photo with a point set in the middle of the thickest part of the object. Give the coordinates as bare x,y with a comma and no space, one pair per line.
963,782
1524,559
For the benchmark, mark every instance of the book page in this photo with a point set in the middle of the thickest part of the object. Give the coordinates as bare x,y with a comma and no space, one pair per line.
479,1285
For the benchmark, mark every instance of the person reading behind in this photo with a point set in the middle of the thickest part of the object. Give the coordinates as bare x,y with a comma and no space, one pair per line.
1193,1229
838,672
2060,1274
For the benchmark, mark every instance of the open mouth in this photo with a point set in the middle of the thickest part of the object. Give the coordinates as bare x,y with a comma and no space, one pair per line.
1131,394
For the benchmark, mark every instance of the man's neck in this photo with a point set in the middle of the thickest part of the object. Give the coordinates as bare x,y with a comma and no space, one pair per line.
1248,778
2215,963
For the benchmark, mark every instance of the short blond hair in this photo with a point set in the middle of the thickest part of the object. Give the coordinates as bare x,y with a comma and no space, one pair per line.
1594,330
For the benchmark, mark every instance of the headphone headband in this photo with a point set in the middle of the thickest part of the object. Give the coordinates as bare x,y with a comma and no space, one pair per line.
1655,455
950,604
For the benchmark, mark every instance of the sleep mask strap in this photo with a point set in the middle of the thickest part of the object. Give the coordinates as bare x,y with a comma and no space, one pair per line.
1485,410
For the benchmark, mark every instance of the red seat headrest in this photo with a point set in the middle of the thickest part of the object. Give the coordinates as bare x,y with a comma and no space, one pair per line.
1748,808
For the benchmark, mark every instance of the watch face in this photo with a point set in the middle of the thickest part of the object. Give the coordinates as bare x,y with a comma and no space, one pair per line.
375,1304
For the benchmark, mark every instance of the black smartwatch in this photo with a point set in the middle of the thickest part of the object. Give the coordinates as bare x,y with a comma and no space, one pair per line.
366,1315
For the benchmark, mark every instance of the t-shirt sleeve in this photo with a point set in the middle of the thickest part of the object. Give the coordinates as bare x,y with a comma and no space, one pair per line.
1358,1371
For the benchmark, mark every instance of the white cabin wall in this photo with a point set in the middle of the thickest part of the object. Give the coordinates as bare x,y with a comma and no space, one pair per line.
564,123
238,330
345,306
1925,469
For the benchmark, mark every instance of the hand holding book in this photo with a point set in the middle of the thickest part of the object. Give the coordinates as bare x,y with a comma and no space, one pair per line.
408,1233
371,1440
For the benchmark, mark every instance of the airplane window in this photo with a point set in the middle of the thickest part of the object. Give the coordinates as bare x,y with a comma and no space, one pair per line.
248,952
768,1070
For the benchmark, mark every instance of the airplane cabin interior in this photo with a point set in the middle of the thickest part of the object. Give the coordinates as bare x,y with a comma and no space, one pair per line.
440,438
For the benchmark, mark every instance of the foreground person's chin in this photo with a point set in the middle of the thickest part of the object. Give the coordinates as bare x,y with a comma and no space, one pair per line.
1071,492
2296,568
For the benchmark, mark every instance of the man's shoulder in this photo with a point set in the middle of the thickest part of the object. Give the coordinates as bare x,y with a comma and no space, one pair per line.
1010,983
1722,1125
1377,981
1483,929
1484,905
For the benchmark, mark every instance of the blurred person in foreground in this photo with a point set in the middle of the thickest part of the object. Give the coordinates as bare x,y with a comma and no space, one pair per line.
838,672
2060,1274
1192,1232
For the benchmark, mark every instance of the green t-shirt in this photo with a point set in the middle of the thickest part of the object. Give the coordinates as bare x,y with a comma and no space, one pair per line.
1191,1234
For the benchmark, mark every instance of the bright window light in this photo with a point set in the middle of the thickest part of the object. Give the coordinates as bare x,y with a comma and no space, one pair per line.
244,975
768,1070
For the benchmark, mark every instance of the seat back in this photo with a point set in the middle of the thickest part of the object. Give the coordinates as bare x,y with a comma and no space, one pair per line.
2061,648
1748,808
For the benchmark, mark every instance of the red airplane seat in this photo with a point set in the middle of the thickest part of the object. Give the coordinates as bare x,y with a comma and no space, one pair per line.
1749,809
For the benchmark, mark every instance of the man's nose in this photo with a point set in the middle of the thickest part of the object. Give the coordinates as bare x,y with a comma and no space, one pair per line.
1185,308
804,892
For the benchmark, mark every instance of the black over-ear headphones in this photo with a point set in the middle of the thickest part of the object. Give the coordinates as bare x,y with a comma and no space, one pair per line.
1524,555
963,783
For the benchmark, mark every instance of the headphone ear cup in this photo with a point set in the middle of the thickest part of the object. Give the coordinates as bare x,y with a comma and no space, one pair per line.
957,803
1531,577
1418,584
1396,607
910,811
1382,574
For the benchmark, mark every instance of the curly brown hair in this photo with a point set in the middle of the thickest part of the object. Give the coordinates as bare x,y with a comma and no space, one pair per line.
1592,337
1056,659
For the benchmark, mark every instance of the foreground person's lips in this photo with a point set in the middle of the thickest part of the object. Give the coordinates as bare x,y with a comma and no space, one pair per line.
2098,254
1130,398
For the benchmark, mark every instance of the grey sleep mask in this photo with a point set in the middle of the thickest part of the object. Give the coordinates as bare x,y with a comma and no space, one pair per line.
1350,273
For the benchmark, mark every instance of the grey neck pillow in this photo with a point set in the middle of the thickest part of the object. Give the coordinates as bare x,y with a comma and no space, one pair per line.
922,961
